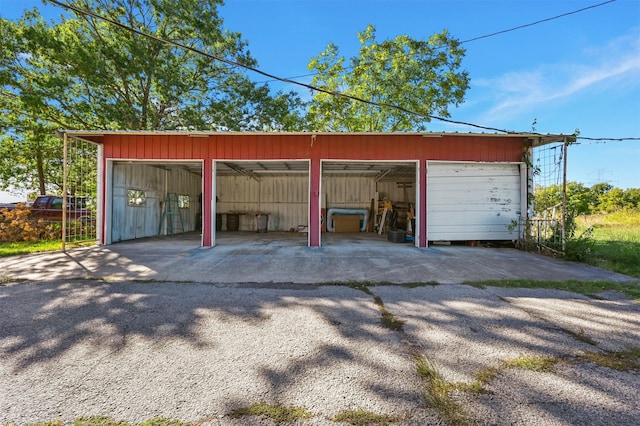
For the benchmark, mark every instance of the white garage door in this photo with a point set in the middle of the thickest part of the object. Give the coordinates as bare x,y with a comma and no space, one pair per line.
472,201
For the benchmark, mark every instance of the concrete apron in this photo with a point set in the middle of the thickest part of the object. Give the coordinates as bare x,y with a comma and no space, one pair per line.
281,257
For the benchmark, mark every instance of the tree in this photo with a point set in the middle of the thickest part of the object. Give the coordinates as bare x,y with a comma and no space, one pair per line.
612,200
597,191
632,197
417,75
578,198
85,73
546,198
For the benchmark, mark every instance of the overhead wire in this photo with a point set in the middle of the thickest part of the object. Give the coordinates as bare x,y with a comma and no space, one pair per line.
519,27
329,92
272,76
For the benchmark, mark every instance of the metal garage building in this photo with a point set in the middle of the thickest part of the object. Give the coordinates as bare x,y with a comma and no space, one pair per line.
460,186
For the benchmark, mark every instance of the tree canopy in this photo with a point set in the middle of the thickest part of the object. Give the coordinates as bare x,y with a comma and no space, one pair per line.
599,198
422,76
84,72
81,72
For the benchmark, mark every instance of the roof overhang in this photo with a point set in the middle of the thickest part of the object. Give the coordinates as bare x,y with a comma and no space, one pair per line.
96,136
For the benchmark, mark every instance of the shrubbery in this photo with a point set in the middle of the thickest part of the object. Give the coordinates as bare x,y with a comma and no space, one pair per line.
17,225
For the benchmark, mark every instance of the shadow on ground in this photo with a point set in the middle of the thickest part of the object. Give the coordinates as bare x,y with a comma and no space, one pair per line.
192,351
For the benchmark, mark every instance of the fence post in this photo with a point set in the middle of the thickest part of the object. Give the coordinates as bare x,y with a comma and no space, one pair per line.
564,197
64,191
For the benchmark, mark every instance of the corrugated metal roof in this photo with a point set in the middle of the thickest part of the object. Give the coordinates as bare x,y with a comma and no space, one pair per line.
537,138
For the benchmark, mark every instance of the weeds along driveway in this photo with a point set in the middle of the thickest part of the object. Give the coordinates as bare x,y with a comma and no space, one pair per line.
195,352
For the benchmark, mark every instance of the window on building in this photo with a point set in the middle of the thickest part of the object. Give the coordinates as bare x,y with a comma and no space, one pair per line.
136,197
183,201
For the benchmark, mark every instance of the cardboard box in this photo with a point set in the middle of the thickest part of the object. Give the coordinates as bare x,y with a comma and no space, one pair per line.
347,223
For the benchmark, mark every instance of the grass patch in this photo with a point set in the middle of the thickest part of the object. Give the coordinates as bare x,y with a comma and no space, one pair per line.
25,247
276,413
486,375
616,241
437,393
357,285
421,284
390,321
162,421
621,360
588,288
98,421
532,363
362,417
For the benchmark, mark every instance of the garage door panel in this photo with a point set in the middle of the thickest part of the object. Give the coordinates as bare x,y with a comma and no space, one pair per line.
498,176
490,171
476,217
472,201
473,198
465,233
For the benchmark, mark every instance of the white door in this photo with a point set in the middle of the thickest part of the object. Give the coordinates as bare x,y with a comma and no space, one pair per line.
473,201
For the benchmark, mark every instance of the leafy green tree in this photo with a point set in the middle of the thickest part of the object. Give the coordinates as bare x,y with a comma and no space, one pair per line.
632,197
547,197
417,75
612,200
597,191
82,72
578,198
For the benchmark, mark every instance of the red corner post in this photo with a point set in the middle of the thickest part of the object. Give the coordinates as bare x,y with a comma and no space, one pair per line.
207,205
314,203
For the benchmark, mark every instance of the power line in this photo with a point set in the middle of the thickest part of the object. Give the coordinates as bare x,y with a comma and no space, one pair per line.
519,27
272,76
608,139
310,87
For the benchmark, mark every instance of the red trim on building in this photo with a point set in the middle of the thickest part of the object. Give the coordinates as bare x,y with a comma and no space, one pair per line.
302,146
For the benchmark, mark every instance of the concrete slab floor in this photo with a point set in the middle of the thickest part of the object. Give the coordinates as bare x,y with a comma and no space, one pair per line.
283,257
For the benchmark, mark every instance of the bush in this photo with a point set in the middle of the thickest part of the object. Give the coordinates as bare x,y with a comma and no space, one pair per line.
17,225
580,248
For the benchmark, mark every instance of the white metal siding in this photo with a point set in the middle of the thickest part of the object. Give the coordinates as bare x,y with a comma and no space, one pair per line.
472,201
348,191
130,222
284,197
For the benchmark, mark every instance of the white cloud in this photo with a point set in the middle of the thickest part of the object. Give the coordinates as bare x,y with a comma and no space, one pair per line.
611,67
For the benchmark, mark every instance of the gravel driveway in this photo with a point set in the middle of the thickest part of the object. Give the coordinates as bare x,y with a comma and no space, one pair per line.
196,352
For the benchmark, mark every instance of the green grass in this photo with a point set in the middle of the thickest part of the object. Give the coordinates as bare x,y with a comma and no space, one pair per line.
616,241
25,247
437,393
588,288
362,417
98,421
532,363
620,360
421,284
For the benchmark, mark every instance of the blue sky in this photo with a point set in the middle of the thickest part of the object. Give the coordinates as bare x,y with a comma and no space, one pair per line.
580,71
